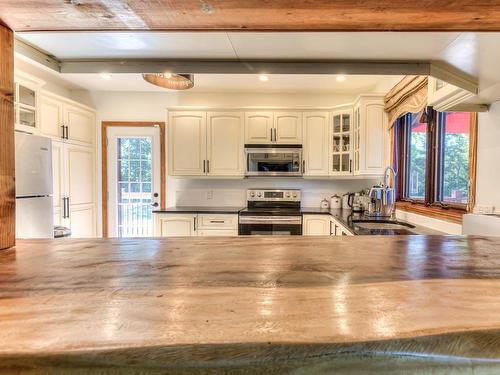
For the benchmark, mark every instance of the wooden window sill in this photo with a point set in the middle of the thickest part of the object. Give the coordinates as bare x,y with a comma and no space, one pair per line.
448,214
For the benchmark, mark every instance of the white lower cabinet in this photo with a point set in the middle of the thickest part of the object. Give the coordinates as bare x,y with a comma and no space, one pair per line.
175,225
316,225
187,225
338,229
323,225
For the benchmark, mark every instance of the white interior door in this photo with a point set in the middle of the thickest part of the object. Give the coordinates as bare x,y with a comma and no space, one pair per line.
133,180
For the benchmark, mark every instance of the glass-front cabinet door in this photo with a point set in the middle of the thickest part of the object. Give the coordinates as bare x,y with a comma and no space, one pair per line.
341,146
25,103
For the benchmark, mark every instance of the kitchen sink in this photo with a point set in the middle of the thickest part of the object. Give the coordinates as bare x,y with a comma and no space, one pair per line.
382,226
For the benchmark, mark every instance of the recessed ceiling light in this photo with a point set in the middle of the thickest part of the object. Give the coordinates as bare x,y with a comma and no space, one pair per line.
105,76
340,78
264,78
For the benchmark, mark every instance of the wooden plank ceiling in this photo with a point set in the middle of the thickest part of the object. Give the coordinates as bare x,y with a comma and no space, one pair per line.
286,15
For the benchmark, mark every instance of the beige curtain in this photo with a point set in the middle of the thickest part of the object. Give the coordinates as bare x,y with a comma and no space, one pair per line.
409,95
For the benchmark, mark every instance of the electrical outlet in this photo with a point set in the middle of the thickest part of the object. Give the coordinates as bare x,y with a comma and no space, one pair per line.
210,194
483,209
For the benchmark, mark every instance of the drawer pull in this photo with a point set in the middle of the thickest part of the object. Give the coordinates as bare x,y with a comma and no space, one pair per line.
217,221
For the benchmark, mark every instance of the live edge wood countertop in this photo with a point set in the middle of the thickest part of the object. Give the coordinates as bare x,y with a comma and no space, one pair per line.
412,304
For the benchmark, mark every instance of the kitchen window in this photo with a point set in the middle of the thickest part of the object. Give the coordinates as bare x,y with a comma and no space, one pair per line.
435,155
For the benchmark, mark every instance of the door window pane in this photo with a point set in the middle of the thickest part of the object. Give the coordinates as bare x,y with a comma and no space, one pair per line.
417,144
134,186
455,131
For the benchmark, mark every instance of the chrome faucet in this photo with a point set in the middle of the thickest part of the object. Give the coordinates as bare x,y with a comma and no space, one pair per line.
382,198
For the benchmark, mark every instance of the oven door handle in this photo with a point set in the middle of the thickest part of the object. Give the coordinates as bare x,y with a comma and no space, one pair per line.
270,220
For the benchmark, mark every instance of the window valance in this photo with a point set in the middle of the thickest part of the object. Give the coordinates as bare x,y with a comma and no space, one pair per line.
408,96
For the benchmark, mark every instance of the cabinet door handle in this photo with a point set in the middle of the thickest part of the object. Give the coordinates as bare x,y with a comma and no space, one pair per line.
204,166
330,228
303,166
67,210
275,135
208,166
350,165
64,207
271,134
335,229
63,133
67,132
194,224
217,221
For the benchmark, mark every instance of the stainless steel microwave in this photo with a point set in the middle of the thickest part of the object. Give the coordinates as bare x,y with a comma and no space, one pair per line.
273,160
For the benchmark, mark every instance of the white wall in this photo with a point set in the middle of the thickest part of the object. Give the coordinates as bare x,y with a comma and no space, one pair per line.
488,158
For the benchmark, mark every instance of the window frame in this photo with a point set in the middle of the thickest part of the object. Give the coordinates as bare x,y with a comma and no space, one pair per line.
430,206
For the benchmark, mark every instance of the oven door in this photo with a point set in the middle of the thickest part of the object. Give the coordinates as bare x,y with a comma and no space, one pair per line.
265,161
270,225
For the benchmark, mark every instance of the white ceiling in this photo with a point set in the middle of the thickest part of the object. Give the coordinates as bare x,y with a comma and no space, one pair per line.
475,53
251,45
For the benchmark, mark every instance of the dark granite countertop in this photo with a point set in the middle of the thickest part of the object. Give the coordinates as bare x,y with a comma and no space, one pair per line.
346,218
200,209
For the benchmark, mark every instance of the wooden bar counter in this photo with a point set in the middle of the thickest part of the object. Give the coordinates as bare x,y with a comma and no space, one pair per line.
252,305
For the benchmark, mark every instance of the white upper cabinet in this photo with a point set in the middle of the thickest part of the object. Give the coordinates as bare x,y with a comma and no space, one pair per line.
287,127
61,118
315,143
206,144
26,89
340,143
80,124
370,135
259,127
50,116
187,131
273,127
225,156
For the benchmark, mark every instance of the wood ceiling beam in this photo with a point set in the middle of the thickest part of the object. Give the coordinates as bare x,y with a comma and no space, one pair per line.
255,15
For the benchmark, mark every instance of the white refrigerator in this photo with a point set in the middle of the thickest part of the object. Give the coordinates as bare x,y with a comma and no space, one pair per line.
34,206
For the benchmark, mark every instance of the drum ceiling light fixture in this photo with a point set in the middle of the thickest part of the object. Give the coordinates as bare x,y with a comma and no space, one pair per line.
170,80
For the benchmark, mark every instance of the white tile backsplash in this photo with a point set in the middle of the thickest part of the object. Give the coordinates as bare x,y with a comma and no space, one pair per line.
210,197
233,192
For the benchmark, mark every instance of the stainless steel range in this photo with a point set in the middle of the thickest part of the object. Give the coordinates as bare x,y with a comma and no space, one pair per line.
271,212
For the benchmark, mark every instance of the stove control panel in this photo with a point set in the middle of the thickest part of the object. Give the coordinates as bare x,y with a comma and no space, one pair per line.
273,195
